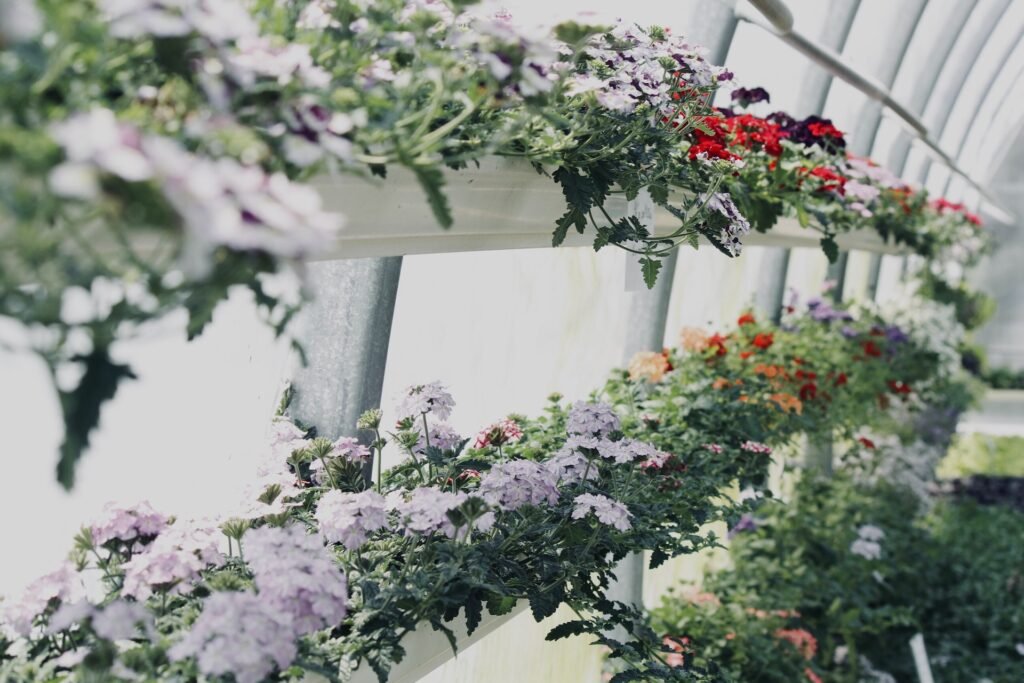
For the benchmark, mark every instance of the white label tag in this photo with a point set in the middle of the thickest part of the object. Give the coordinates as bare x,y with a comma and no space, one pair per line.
924,669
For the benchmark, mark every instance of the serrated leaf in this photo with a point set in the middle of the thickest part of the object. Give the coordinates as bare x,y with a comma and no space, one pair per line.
474,613
566,630
432,181
831,249
650,268
500,604
81,407
658,192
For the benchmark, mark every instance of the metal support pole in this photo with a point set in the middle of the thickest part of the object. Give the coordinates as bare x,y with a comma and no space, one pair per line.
345,333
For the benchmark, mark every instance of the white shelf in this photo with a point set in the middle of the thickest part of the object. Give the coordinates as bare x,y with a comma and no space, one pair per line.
502,204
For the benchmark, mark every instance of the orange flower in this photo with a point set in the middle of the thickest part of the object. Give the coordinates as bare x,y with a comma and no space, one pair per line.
763,340
746,354
679,646
721,383
693,339
801,639
649,365
788,402
768,371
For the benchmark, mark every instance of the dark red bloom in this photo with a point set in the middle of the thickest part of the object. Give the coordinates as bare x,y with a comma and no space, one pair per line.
809,391
871,349
840,379
866,442
763,340
899,387
717,342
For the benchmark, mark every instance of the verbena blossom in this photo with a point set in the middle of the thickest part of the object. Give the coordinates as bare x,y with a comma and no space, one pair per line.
221,202
426,511
173,561
607,511
61,585
570,466
869,550
870,532
498,434
756,447
239,634
296,574
736,224
592,419
121,620
442,435
432,398
127,523
350,449
511,485
286,437
348,518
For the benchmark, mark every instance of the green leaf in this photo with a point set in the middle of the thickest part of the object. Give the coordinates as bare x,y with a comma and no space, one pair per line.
574,33
650,268
500,604
569,628
801,216
573,217
658,192
81,407
543,605
474,612
432,181
831,249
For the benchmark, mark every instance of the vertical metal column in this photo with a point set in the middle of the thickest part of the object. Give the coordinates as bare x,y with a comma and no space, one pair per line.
345,333
712,24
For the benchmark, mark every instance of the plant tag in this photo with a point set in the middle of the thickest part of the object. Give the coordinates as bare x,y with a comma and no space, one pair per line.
924,669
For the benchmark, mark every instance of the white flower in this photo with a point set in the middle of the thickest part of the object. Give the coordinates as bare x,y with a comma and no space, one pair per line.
20,20
869,532
348,518
869,550
607,511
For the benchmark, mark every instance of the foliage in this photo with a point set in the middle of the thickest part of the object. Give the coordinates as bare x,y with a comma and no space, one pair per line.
984,454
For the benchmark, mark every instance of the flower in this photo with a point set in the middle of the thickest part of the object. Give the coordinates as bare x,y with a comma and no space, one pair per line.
497,434
511,485
649,365
127,523
713,447
866,442
285,438
239,634
869,550
570,466
811,676
869,532
763,340
60,585
173,561
756,447
747,96
350,449
348,518
607,511
420,399
295,574
592,419
746,319
805,643
747,522
426,511
693,339
121,619
219,22
680,646
736,226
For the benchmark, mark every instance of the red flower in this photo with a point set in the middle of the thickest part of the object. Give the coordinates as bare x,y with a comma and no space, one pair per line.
833,182
824,130
763,340
804,374
746,354
871,349
866,442
899,387
841,379
717,342
746,319
809,391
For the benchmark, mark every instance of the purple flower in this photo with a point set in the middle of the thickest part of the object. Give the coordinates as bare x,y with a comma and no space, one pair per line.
748,96
737,225
295,574
350,449
516,483
348,518
607,511
570,467
849,332
426,511
173,561
127,523
747,522
592,419
63,585
430,398
442,436
121,619
239,634
895,335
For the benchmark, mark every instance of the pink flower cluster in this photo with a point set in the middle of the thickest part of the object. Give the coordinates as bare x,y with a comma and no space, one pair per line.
61,585
498,434
607,511
756,447
592,419
127,523
426,512
173,561
349,518
511,485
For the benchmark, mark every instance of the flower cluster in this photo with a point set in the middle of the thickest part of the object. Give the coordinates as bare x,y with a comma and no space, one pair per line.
513,484
498,434
423,399
173,562
349,518
867,542
138,523
607,511
592,420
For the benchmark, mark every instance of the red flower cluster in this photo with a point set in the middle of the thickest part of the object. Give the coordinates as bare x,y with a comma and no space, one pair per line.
944,206
763,340
831,181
